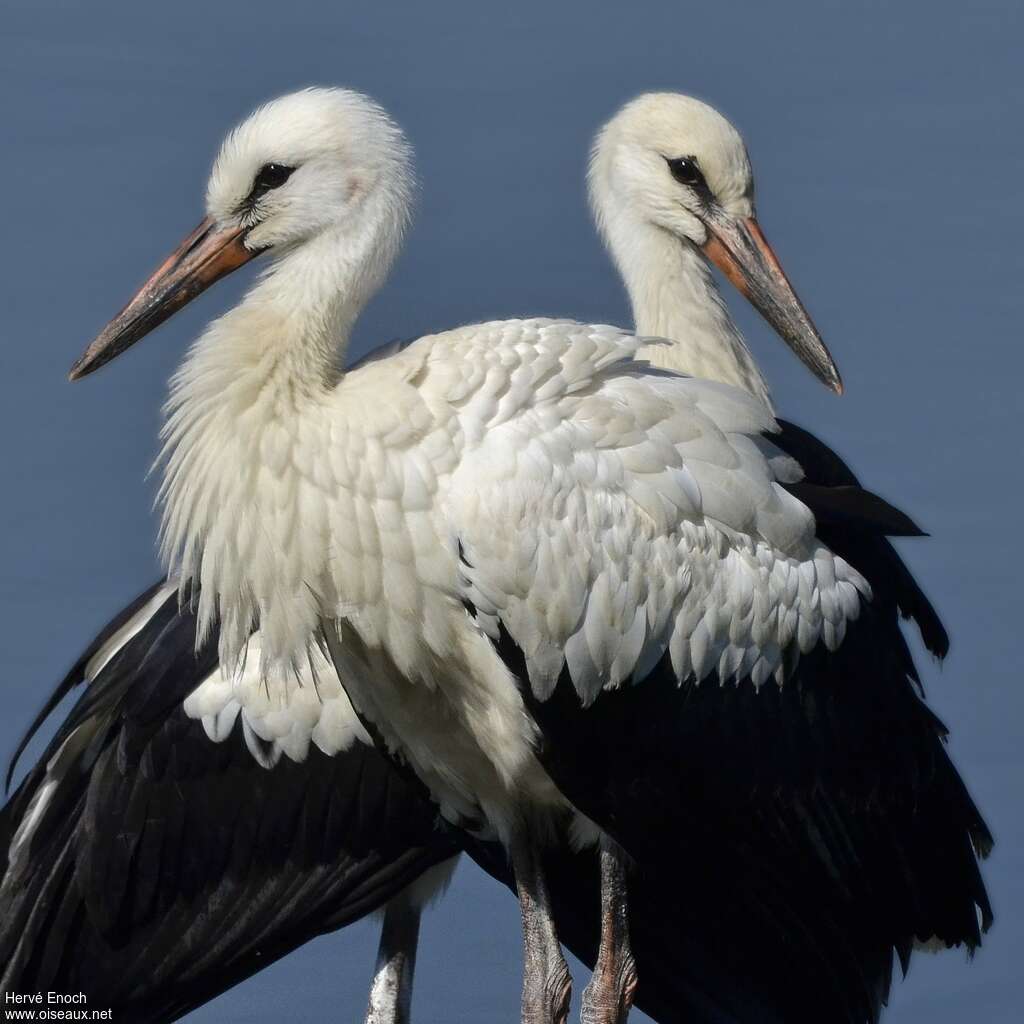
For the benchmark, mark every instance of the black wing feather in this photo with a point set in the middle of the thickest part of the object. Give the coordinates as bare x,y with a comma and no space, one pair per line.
167,867
824,468
75,675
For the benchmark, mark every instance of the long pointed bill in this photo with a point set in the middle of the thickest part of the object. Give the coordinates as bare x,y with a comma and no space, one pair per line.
739,249
207,255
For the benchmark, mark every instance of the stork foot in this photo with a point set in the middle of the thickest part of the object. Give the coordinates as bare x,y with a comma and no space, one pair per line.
546,998
609,996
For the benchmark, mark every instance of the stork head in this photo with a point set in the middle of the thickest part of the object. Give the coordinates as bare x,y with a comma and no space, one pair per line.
674,163
315,163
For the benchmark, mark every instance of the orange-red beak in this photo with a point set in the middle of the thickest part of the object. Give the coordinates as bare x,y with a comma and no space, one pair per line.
739,249
206,255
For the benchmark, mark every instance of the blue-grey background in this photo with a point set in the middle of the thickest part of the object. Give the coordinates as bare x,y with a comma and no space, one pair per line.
886,138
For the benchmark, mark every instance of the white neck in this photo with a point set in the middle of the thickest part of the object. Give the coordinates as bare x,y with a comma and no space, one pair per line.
242,409
291,331
674,296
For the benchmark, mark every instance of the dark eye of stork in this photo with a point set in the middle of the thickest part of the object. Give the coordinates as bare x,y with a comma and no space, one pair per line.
687,172
269,177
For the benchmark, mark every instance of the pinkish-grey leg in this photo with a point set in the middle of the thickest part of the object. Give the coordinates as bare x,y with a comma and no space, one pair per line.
609,996
547,986
391,992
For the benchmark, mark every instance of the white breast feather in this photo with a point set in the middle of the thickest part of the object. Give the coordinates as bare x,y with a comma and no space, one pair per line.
287,713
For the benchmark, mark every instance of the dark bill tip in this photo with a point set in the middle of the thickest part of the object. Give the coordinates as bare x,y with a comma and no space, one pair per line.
740,250
205,256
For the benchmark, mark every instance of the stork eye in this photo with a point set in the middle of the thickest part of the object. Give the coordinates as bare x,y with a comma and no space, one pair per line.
269,176
686,171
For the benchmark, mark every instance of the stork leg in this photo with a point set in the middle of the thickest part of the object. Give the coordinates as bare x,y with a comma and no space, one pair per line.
547,985
609,996
391,992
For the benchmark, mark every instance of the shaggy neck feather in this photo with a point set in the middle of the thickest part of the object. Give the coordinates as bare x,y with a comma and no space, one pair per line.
242,412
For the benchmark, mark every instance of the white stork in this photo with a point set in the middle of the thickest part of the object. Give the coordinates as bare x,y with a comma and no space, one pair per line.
624,140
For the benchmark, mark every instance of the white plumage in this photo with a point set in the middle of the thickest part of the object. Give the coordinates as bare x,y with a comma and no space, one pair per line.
605,510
